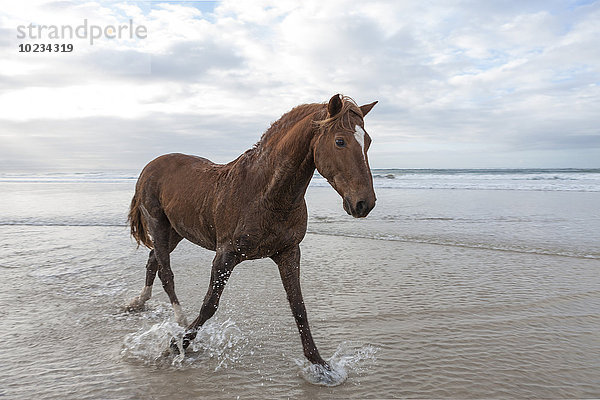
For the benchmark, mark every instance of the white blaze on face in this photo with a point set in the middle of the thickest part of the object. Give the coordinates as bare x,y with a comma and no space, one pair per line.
359,135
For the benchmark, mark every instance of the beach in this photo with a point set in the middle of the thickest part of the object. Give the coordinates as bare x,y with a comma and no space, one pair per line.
453,287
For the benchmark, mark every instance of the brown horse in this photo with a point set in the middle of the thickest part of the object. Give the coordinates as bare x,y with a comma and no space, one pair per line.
254,206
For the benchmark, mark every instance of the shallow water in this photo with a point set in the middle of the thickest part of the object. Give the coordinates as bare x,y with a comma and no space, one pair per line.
438,293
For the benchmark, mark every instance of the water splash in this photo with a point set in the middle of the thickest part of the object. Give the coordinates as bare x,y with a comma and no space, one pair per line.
347,358
223,342
149,345
218,344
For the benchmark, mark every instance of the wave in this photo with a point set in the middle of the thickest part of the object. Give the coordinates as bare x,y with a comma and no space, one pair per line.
578,180
68,177
470,245
313,228
62,223
486,171
559,179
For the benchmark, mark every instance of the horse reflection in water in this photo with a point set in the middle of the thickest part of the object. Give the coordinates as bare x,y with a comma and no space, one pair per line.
252,207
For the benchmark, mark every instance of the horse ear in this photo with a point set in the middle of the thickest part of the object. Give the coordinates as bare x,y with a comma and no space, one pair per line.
335,105
367,107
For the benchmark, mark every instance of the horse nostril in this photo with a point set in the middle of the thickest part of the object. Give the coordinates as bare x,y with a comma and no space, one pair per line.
361,206
346,203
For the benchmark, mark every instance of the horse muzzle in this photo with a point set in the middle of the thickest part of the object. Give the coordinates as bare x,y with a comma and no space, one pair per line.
358,209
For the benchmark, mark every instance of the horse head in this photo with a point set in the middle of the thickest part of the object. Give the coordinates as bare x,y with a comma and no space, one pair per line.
340,154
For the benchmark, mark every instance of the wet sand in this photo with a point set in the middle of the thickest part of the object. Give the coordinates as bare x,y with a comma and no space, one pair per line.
403,319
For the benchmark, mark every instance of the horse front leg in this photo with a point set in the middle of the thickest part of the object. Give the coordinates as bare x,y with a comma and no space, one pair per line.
222,267
289,269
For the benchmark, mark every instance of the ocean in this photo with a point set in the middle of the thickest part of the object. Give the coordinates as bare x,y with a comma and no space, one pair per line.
460,283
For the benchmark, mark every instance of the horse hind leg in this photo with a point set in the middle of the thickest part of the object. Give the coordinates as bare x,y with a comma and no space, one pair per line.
165,241
163,268
137,304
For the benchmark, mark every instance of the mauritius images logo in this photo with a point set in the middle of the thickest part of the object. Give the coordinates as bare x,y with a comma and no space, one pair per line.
87,31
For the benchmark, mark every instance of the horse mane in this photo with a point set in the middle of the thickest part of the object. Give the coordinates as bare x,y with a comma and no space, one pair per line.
287,121
296,114
341,120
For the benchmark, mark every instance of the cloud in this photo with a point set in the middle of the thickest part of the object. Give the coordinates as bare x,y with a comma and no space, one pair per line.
457,81
189,61
96,142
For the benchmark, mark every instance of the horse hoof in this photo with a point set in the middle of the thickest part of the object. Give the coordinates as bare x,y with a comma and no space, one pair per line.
133,309
136,305
326,366
174,348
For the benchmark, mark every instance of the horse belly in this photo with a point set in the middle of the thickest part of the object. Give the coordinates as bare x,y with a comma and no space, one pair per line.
189,222
197,233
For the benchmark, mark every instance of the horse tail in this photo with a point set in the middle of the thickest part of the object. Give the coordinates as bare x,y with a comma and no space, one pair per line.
137,222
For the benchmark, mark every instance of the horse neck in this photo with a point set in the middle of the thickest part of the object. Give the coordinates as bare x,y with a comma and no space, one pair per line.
289,166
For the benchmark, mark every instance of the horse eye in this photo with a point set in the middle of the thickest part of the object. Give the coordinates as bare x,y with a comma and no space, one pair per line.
340,142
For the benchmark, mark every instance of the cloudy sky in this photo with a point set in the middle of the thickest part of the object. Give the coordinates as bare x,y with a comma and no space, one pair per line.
460,84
